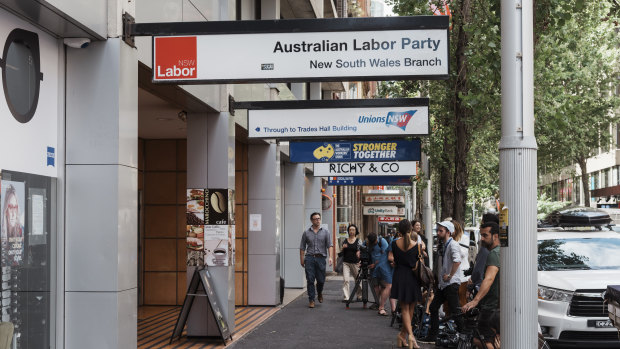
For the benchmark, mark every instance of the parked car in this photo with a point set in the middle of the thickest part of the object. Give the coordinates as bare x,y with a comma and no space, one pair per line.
578,256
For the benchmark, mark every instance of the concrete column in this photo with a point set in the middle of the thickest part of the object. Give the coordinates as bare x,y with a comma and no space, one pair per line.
269,9
101,196
315,90
294,223
264,245
211,164
327,216
299,90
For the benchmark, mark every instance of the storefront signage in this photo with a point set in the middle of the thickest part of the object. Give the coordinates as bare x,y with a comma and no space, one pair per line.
401,150
395,168
385,198
29,104
378,180
390,219
382,210
349,49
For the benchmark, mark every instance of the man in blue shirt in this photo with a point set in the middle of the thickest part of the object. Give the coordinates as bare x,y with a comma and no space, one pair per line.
381,270
316,243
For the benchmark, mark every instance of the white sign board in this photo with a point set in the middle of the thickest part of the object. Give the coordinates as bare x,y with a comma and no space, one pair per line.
380,210
394,168
338,122
349,49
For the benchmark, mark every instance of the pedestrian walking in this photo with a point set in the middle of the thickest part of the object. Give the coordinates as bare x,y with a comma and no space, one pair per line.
316,243
350,257
381,270
404,254
450,277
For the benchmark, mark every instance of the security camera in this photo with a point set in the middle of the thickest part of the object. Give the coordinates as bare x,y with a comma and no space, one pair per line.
77,42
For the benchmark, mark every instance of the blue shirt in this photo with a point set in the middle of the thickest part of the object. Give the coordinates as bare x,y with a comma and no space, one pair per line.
379,252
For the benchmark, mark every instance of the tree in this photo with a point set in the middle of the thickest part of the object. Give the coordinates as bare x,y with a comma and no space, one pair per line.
466,107
576,55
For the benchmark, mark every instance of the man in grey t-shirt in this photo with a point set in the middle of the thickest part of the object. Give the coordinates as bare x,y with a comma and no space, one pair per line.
316,243
449,279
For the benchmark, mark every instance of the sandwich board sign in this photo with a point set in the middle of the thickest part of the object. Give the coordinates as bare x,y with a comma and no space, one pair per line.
333,49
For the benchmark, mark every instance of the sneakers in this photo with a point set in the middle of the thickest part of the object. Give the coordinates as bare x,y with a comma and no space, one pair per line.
320,298
311,305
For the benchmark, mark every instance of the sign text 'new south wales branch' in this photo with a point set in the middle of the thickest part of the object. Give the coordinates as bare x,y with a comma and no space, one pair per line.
333,49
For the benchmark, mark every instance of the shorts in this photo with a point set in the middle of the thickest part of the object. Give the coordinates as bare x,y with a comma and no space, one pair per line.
488,323
383,272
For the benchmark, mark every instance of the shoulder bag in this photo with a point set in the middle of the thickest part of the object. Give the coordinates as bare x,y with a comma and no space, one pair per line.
423,273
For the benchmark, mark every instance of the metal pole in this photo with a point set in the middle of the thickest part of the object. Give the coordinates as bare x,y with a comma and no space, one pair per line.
517,173
427,209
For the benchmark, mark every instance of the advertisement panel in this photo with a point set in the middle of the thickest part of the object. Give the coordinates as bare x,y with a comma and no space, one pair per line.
357,49
371,180
338,122
397,168
392,150
29,104
380,210
385,198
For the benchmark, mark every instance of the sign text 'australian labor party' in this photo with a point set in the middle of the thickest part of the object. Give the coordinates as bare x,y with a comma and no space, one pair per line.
311,54
298,123
402,150
395,168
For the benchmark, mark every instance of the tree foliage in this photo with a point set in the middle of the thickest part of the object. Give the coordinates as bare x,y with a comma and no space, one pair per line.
576,56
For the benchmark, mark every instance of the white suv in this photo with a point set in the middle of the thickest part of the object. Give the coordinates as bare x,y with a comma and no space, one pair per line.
575,265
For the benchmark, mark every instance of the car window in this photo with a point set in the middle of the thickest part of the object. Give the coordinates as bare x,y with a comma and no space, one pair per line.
583,254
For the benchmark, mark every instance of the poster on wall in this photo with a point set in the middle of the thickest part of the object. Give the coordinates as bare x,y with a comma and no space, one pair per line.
13,217
194,234
29,111
216,245
216,207
342,229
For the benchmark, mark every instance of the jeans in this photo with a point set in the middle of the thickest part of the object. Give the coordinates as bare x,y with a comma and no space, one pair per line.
315,270
451,294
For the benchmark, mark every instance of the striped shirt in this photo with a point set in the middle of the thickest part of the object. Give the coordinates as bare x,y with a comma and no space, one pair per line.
316,243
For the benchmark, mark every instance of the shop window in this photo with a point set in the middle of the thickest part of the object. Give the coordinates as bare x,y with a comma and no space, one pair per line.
21,75
27,255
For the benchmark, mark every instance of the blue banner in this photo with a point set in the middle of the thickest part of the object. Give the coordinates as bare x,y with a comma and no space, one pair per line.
394,150
370,180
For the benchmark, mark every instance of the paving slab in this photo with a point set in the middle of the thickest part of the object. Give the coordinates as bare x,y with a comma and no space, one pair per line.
328,325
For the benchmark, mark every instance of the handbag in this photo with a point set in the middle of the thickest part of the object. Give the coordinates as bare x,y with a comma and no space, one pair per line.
423,273
339,264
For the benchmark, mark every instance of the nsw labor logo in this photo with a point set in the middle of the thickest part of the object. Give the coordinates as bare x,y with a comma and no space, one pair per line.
175,58
399,119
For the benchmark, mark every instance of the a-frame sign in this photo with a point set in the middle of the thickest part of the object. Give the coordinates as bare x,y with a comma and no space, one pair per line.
200,286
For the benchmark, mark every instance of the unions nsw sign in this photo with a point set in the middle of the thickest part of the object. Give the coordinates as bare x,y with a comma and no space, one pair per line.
396,121
396,168
401,150
349,49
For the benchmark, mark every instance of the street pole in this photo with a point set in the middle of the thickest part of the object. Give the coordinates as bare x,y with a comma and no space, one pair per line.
427,209
517,174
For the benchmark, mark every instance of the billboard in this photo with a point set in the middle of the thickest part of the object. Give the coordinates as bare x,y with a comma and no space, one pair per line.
335,49
392,150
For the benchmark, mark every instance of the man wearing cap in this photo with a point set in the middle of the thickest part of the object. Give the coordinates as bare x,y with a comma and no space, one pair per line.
449,279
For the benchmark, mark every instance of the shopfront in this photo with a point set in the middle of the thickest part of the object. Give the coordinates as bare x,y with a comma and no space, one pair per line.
30,115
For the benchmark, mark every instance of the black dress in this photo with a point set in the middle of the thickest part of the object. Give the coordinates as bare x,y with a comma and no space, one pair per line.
405,286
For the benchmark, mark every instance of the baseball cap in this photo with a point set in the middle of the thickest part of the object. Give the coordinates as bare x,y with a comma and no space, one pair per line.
448,225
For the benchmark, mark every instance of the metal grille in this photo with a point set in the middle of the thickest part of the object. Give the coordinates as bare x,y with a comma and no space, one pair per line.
589,336
588,304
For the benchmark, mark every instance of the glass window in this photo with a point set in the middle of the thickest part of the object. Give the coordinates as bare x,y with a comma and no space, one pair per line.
21,75
581,253
27,257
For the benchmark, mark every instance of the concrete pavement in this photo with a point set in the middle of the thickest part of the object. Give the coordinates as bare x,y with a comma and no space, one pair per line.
328,325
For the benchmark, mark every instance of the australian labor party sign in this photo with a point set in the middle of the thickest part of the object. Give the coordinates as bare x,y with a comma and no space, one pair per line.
399,121
394,168
402,150
335,49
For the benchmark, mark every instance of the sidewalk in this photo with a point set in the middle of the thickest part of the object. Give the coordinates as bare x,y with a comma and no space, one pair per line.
329,325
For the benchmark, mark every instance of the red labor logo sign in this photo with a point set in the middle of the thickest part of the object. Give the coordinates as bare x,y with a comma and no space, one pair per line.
175,58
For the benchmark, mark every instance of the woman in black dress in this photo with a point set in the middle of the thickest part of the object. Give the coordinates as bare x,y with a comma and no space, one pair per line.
405,286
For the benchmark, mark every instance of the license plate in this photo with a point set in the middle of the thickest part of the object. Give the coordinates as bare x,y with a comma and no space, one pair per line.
600,323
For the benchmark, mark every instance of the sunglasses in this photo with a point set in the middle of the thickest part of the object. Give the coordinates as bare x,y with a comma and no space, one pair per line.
21,73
